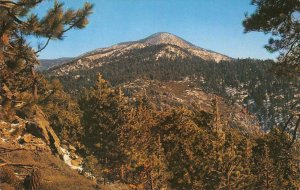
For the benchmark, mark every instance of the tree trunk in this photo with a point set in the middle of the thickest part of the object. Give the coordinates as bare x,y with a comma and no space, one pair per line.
35,88
32,181
122,173
152,182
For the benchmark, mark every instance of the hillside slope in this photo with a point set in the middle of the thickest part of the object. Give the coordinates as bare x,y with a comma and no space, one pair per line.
55,173
185,93
165,57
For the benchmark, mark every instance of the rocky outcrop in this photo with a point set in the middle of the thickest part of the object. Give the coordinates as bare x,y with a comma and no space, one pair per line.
40,127
36,134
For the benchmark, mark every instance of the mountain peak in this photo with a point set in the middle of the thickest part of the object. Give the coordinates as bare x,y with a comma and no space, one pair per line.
163,34
101,55
166,38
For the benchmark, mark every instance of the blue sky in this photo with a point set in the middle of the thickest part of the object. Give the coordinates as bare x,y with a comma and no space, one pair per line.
211,24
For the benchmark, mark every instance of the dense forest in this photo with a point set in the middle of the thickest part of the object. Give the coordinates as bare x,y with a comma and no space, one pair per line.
249,82
176,148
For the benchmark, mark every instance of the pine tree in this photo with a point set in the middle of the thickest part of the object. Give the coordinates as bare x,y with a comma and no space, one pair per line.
275,164
103,118
227,155
263,166
18,20
63,112
140,145
180,138
285,159
280,19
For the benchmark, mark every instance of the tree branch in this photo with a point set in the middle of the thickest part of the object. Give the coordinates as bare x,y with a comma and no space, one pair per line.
8,2
287,123
19,4
46,44
71,26
16,19
295,131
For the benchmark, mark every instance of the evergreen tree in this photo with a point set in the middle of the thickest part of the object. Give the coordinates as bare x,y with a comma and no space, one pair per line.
63,112
227,164
19,21
144,149
103,116
275,164
281,20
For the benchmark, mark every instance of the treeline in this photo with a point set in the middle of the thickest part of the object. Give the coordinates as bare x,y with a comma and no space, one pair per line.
174,148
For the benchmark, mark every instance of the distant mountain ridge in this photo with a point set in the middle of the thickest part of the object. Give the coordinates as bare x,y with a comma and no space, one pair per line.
176,47
165,38
46,64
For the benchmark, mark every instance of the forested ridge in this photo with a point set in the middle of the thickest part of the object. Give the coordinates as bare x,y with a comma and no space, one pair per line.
248,82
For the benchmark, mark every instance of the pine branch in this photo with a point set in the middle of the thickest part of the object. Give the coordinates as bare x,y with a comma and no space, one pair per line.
71,26
291,117
20,4
8,53
13,16
292,44
7,2
295,131
46,44
287,123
